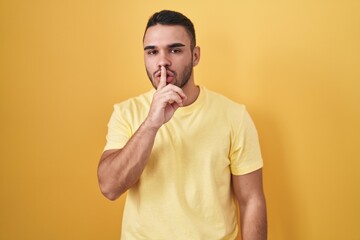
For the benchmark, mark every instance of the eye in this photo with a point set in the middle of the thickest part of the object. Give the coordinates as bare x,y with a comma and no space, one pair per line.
176,50
152,52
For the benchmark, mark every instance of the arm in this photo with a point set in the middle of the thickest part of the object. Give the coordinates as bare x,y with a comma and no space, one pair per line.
248,189
120,169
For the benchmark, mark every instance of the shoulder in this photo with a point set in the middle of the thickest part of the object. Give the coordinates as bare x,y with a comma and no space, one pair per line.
224,103
233,113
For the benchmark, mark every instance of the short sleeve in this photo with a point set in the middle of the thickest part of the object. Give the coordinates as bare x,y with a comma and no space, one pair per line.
245,154
119,130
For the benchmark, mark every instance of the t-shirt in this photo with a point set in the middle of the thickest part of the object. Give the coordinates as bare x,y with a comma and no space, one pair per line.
185,190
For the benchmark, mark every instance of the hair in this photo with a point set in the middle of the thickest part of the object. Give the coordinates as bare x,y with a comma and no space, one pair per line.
167,17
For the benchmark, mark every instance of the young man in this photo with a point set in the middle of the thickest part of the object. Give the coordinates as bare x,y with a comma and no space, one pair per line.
184,154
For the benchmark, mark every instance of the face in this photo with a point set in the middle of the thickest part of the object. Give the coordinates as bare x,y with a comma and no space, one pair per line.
169,46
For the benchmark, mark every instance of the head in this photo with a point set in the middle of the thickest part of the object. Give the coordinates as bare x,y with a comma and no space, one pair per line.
169,41
172,18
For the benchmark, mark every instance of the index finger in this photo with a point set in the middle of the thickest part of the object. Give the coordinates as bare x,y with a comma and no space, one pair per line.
162,82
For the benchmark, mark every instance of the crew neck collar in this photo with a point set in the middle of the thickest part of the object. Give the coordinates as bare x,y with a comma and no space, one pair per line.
193,106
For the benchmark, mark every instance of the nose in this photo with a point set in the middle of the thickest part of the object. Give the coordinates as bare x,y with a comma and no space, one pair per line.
164,60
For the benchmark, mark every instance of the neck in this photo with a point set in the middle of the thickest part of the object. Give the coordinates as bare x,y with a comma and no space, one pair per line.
191,91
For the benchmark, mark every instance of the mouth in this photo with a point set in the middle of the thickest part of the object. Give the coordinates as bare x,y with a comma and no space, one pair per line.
170,75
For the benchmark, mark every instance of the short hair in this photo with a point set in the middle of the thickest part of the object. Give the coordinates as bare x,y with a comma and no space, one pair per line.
167,17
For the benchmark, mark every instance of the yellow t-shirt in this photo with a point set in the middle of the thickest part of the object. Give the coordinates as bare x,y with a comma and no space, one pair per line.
185,190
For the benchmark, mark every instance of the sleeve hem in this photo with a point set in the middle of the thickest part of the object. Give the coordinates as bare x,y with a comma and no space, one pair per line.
249,169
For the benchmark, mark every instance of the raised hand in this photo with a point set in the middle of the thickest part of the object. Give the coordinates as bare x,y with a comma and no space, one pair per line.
167,99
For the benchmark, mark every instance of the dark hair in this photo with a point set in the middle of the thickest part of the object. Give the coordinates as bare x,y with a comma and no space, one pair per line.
167,17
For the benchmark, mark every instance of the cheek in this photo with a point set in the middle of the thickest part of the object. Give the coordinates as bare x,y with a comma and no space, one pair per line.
150,65
148,68
147,60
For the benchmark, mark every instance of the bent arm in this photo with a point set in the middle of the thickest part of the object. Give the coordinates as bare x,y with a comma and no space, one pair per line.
120,169
248,189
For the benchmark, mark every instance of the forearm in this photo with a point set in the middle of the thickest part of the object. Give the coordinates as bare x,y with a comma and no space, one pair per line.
121,169
253,220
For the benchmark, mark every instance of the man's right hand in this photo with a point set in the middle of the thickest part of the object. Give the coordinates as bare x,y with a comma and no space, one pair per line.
166,100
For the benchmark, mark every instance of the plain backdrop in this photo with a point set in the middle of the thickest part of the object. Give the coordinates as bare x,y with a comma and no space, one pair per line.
63,64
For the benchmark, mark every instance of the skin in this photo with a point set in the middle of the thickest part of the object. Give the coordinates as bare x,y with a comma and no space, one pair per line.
249,192
169,61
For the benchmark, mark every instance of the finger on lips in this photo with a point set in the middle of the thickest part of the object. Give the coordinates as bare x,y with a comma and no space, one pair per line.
162,82
178,96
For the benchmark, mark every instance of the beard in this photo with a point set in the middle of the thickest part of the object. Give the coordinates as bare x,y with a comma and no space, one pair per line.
180,80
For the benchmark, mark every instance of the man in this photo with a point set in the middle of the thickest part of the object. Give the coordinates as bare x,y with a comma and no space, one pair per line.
184,154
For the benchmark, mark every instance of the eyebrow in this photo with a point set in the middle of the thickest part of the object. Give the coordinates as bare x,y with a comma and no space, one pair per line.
169,46
149,47
176,45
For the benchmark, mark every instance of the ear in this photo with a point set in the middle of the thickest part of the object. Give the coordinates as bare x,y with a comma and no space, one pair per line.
196,56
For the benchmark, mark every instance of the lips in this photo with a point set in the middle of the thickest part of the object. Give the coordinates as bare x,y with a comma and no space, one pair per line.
169,73
169,79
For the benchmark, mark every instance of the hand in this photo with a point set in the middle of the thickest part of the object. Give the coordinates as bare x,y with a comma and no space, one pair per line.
167,99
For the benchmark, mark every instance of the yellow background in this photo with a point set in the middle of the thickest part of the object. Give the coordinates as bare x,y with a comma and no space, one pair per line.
295,64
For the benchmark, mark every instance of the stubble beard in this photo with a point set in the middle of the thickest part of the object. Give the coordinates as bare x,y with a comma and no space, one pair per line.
178,82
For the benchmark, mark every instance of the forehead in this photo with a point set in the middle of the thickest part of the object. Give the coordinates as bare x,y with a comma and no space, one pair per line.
159,35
